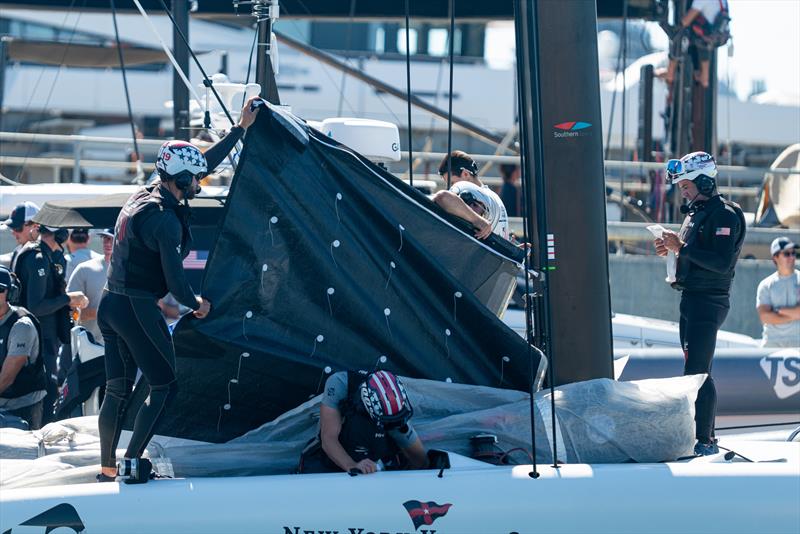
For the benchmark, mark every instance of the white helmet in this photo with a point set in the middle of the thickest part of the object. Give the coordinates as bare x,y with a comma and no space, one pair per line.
690,166
179,157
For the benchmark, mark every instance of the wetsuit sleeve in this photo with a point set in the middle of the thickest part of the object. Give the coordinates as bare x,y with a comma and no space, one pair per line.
35,271
335,390
725,230
217,152
166,230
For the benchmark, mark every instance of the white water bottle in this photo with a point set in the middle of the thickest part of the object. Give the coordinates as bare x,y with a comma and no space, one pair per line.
672,267
672,260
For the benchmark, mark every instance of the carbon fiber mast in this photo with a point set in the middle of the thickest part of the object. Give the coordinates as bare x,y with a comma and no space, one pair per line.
562,140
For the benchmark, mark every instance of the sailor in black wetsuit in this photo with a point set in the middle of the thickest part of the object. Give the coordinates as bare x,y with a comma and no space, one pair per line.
707,248
364,426
152,239
39,266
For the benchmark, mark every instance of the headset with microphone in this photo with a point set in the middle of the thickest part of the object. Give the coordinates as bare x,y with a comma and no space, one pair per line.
9,282
705,186
698,167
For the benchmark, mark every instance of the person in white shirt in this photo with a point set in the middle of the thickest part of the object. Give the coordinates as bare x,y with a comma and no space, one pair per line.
79,251
469,198
778,297
90,278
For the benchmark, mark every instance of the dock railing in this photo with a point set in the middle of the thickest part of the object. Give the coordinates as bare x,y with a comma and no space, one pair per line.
734,180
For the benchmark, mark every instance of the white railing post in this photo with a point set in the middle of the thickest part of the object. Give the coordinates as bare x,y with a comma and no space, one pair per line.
76,168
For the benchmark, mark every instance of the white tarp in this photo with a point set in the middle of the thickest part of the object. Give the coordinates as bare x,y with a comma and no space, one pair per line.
598,421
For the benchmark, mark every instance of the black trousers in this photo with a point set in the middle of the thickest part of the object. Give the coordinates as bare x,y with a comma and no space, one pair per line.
136,336
49,353
701,317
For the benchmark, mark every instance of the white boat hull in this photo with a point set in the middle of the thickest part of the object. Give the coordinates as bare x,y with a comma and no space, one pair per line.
699,495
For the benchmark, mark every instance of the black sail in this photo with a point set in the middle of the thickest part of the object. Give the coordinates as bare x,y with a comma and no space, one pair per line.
325,260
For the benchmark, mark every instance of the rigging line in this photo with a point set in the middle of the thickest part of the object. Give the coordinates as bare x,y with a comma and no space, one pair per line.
333,82
347,45
206,80
138,155
250,64
623,155
541,210
388,108
52,89
525,179
408,100
325,67
45,67
168,52
451,9
181,74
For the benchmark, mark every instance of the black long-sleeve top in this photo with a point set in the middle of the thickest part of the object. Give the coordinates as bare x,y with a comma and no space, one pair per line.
713,236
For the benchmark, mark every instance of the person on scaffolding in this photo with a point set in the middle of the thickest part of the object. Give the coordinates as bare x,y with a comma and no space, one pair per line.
152,238
707,22
707,248
364,427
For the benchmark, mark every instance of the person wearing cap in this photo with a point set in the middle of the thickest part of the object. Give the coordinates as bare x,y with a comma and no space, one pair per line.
39,267
22,373
707,248
22,227
89,277
469,199
151,240
778,297
79,251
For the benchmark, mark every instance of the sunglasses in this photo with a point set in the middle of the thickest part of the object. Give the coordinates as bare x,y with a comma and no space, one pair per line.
787,253
675,168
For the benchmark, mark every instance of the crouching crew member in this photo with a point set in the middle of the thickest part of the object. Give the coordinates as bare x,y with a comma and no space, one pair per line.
152,238
364,426
707,249
22,374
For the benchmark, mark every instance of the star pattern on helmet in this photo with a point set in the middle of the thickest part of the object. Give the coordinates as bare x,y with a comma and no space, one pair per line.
698,161
188,155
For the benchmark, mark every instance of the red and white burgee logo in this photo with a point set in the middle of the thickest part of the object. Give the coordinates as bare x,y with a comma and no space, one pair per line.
425,513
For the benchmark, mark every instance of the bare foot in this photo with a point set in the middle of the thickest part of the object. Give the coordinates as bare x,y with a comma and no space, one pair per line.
109,471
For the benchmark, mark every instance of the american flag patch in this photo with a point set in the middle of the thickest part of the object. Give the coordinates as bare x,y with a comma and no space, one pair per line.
723,231
196,260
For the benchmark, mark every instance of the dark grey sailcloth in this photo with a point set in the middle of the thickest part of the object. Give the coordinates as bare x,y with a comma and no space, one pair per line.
326,262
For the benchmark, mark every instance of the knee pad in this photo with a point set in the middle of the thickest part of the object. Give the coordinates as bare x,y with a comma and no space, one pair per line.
163,394
119,388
